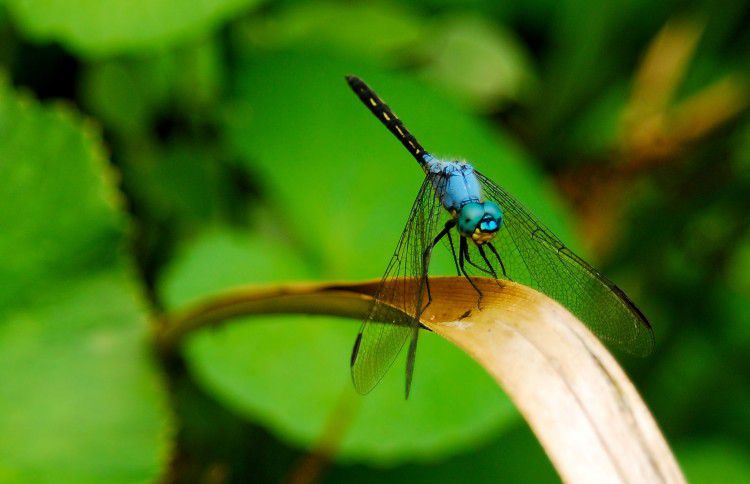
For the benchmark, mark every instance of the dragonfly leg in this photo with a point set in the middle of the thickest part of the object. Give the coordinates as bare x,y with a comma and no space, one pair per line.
411,356
500,260
486,261
453,249
426,255
464,249
468,259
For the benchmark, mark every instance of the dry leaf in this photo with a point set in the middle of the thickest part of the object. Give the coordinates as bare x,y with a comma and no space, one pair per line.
585,412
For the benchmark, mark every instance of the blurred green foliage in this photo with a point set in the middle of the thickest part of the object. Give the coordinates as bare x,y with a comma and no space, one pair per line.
100,29
80,398
231,152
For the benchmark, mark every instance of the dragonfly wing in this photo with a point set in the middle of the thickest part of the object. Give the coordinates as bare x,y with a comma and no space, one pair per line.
384,331
533,255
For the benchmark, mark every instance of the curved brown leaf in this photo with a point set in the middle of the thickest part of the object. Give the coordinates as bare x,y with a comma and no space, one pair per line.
577,400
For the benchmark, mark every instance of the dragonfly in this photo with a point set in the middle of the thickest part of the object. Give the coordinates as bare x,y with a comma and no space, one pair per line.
497,238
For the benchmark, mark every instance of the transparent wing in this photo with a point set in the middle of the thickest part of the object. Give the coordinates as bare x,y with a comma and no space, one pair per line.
384,331
534,256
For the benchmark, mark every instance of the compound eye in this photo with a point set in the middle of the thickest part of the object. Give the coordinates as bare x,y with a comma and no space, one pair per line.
472,211
469,217
492,209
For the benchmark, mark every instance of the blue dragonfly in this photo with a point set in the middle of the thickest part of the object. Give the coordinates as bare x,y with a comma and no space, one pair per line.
497,238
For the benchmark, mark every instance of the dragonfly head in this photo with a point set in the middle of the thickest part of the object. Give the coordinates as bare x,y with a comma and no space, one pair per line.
479,221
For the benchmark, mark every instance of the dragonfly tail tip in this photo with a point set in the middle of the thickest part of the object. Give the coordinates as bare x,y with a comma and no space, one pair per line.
352,79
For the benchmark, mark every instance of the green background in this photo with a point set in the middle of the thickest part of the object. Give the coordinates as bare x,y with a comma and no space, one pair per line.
156,152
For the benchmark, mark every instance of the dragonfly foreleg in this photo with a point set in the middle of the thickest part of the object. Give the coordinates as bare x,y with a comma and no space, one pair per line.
472,263
502,266
453,249
426,255
464,249
487,261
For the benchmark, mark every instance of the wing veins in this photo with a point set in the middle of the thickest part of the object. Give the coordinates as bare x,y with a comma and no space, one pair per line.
381,342
582,288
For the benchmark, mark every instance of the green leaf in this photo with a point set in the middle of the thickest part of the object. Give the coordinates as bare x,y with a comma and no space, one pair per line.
378,31
478,62
56,200
514,457
340,187
80,400
101,28
707,462
127,93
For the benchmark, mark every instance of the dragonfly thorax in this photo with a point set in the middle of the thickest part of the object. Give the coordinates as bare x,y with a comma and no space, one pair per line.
455,182
479,221
460,192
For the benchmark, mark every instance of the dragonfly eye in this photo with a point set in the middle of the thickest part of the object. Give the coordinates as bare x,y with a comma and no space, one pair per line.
475,219
492,219
488,224
469,218
493,210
